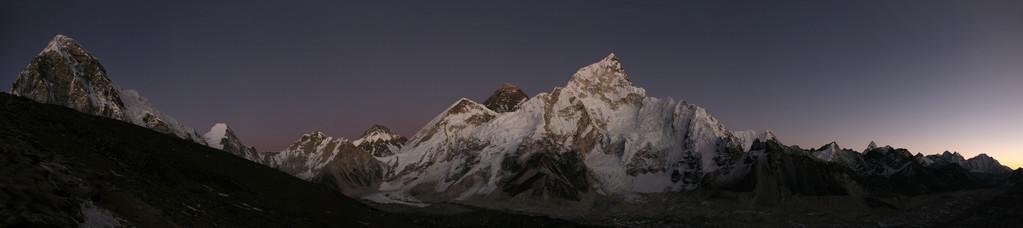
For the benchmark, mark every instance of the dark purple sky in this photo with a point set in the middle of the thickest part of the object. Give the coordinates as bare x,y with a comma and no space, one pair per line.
924,75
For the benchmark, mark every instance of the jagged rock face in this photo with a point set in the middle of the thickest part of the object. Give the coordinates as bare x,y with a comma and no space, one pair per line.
222,137
599,134
898,171
508,98
66,74
336,162
380,141
779,172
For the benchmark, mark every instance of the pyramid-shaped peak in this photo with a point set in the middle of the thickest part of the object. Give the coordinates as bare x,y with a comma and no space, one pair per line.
871,146
508,98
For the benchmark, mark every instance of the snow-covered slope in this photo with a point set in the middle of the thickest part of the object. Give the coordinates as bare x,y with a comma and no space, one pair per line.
66,74
222,137
598,133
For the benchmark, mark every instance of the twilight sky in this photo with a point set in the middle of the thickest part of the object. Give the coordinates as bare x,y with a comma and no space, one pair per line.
929,76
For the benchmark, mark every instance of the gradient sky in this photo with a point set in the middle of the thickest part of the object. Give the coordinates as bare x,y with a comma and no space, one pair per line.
929,76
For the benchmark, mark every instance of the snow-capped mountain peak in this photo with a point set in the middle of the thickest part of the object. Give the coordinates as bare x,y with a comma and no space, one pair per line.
380,141
827,152
376,133
604,83
217,133
871,146
222,137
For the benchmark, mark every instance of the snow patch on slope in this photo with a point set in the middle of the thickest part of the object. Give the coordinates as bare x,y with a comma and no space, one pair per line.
98,217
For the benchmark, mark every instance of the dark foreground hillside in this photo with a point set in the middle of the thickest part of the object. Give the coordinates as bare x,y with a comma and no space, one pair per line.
59,167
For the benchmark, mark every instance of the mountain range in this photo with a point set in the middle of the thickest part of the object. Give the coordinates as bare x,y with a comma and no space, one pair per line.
594,148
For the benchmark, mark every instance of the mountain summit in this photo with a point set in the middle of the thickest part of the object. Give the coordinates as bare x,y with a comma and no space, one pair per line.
222,137
65,74
508,98
380,141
